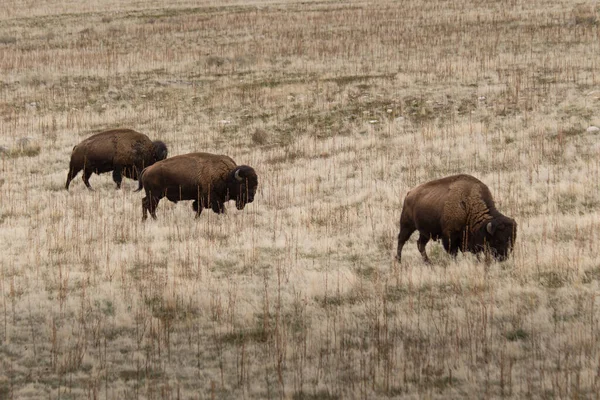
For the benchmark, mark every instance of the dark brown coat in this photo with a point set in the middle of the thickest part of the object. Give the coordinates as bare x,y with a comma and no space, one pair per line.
123,151
208,179
460,211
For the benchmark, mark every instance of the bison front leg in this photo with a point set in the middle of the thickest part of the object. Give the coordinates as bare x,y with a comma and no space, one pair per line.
197,208
135,172
118,175
218,207
451,245
421,243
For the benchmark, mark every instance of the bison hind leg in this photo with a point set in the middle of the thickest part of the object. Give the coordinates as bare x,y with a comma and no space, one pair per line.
86,178
403,236
149,204
144,208
73,171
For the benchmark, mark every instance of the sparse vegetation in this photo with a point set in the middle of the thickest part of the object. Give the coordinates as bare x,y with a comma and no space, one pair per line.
25,151
341,107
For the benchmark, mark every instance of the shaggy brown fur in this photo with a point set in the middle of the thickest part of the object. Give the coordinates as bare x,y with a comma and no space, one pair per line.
123,151
459,210
208,179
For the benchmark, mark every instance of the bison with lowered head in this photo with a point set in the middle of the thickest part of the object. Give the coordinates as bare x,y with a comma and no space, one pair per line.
125,152
459,210
208,179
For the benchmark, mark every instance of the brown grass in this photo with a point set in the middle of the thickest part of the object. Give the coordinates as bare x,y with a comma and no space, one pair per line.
341,108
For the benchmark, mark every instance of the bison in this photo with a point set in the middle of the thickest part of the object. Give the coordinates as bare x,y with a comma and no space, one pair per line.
459,210
123,151
208,179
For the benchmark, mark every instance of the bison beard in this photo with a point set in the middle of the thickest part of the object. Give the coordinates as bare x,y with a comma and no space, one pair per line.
209,180
125,152
460,211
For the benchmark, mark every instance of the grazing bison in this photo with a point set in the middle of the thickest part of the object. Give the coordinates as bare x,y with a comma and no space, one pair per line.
123,151
208,179
459,210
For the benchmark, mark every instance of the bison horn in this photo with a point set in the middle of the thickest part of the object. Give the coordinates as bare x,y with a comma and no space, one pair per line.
237,175
490,228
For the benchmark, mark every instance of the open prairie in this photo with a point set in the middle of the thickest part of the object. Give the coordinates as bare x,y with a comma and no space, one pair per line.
341,108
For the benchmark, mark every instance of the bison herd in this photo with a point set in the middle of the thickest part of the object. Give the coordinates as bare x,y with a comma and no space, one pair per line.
459,210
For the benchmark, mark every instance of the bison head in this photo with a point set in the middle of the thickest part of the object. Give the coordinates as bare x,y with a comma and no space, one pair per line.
500,236
160,150
242,185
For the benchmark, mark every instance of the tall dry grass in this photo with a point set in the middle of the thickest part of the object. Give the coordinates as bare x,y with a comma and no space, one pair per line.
341,108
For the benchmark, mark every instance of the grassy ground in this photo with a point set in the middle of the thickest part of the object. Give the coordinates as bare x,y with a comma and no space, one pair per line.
341,108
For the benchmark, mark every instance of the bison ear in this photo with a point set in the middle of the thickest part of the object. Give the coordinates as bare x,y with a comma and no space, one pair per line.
491,228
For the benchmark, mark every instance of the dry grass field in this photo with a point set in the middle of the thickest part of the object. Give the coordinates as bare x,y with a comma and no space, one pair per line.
341,107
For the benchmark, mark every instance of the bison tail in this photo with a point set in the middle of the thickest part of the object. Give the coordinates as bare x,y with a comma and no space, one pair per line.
140,184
